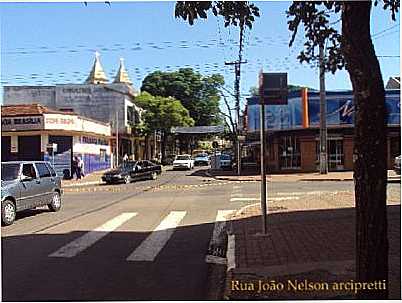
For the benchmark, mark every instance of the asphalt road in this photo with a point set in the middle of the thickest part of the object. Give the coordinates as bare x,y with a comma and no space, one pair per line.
143,241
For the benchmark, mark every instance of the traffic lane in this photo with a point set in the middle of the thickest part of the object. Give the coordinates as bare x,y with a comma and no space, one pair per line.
79,201
101,272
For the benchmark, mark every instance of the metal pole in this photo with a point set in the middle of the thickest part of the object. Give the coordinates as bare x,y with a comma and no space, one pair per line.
263,177
117,138
239,157
323,116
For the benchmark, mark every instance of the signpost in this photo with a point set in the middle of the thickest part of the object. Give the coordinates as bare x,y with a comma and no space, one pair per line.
273,90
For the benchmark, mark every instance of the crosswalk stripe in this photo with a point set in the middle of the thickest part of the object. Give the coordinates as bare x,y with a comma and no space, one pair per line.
75,247
153,244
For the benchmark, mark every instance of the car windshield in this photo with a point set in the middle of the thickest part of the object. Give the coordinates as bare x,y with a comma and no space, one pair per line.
183,158
201,156
225,157
9,171
126,165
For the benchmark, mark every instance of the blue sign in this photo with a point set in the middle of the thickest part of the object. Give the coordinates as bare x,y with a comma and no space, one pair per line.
340,111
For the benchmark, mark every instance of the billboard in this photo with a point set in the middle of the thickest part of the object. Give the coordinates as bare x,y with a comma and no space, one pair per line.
340,111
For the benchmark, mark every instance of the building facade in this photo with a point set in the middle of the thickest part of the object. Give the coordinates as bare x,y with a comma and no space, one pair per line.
293,131
35,132
112,103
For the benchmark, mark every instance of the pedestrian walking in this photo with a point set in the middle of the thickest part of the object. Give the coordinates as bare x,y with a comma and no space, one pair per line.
74,167
80,168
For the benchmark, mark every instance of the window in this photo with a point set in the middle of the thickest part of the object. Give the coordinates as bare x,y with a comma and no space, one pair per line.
102,155
29,171
43,170
289,152
50,167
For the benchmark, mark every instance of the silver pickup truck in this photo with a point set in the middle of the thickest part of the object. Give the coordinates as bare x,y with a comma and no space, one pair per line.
28,184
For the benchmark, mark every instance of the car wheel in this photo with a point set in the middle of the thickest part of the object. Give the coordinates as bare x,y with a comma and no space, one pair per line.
127,179
8,212
55,205
154,175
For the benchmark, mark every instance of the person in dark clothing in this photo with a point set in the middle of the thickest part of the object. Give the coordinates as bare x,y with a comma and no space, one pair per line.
75,168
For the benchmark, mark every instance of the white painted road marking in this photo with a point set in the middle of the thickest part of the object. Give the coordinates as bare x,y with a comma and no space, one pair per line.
75,247
230,254
219,225
153,244
259,199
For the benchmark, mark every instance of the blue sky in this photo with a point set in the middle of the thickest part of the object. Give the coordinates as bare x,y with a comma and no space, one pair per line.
49,43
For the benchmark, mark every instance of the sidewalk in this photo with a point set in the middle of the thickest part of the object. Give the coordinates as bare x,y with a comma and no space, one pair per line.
310,240
294,177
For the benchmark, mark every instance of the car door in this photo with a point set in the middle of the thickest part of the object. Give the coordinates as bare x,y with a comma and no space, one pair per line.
30,190
141,170
46,184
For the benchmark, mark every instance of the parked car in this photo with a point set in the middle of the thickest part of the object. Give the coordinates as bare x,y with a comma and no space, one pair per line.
132,171
201,160
397,165
26,185
225,161
183,162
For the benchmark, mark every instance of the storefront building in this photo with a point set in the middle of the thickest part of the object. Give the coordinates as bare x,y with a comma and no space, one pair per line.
293,132
35,132
97,98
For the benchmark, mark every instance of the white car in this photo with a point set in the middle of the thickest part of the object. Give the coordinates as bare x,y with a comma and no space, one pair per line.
183,162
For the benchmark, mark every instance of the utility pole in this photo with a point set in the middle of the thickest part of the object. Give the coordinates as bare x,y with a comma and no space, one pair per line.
117,138
237,65
323,115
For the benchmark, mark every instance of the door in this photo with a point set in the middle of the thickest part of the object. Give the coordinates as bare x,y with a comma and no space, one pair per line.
139,170
30,187
46,184
29,148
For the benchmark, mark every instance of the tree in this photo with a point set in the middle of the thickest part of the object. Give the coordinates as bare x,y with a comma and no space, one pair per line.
352,49
199,94
162,114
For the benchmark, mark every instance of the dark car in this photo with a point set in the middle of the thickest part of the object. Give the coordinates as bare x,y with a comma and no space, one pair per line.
26,185
132,171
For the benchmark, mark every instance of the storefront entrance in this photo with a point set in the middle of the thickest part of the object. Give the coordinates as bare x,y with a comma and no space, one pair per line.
289,153
335,154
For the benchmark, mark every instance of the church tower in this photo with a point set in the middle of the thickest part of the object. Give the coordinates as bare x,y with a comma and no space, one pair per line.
97,75
122,75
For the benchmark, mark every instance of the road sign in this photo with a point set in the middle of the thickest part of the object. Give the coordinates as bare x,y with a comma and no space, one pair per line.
273,88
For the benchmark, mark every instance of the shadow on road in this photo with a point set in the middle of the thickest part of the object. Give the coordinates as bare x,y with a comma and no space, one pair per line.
179,272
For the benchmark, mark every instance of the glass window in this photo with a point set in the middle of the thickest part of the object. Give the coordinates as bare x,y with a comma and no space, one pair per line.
9,171
29,170
50,167
289,152
102,155
43,170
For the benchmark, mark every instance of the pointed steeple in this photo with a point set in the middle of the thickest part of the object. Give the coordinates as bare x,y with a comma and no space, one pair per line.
97,75
122,75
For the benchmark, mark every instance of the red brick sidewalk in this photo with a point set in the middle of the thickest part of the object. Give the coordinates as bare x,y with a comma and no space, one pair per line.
316,245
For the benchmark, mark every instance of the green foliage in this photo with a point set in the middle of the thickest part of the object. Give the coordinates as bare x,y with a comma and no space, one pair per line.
318,29
236,13
162,113
198,94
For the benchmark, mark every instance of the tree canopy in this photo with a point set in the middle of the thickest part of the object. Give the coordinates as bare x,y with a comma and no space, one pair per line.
162,113
198,94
